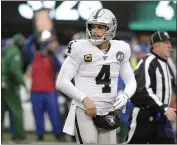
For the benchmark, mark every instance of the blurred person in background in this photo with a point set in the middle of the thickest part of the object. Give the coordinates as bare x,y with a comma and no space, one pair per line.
19,41
141,47
5,43
44,66
61,53
12,79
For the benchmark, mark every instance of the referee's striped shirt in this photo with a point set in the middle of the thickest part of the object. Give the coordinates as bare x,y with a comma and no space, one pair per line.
154,83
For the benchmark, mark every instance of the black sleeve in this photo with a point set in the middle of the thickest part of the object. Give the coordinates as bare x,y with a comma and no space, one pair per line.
146,82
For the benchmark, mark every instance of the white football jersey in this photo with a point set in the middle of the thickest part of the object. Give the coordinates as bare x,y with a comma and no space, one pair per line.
97,75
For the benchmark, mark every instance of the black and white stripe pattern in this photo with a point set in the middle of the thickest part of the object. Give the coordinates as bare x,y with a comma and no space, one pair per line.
78,136
154,88
154,82
172,68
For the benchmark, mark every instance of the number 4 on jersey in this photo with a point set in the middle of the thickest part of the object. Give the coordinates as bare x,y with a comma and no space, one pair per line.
104,78
69,46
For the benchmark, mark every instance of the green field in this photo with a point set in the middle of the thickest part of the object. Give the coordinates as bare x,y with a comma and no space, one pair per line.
32,137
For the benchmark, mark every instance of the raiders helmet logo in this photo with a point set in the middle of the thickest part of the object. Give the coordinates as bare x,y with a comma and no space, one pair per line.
111,119
88,58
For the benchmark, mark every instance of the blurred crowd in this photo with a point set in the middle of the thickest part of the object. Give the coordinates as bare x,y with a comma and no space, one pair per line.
29,70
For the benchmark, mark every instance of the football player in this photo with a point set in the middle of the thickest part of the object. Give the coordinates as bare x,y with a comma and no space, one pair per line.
95,64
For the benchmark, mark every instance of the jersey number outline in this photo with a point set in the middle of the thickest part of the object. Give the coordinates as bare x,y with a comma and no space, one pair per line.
69,46
105,71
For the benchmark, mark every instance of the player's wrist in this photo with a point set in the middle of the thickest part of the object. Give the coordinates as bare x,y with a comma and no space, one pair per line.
126,96
83,98
163,108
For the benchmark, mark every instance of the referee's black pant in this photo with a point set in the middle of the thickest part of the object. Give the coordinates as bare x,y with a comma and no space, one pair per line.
148,126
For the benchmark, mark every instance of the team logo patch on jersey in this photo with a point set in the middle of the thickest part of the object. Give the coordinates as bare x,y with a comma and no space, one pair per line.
88,58
120,56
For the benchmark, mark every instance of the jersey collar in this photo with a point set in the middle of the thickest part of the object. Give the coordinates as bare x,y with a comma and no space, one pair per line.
162,59
108,48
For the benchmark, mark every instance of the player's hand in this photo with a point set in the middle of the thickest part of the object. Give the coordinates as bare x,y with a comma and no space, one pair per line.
121,101
170,114
89,106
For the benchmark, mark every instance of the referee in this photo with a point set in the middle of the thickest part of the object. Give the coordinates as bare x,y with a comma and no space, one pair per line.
150,120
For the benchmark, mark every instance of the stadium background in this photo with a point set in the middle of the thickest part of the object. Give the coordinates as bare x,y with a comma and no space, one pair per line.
136,22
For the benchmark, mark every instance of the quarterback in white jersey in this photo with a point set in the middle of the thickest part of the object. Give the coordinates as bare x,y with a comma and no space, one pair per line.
95,65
